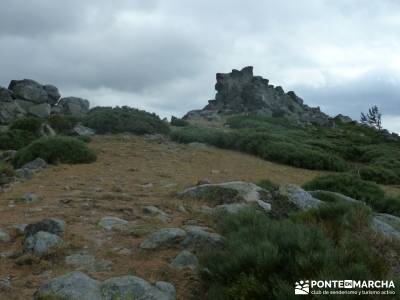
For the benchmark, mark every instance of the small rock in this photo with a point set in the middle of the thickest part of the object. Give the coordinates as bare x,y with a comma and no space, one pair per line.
5,283
185,259
53,225
191,222
167,288
163,238
8,155
203,181
88,263
156,212
181,209
299,197
81,130
4,236
264,205
42,243
35,165
29,198
110,223
199,239
230,208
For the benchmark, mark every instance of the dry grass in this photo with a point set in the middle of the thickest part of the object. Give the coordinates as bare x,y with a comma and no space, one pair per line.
130,172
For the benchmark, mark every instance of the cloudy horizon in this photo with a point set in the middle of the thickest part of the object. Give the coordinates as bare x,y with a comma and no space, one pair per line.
162,56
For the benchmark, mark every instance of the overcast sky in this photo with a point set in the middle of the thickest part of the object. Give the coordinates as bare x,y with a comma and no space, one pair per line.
162,55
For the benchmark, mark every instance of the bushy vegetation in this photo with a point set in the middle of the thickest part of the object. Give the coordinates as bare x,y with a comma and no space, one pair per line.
63,124
353,186
124,119
178,122
264,145
56,150
15,139
6,169
347,147
263,258
30,124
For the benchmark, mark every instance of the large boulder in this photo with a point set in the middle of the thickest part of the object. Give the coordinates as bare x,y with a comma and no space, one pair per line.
185,259
74,106
52,93
5,95
75,285
387,225
41,110
228,192
9,111
241,92
298,197
42,243
29,90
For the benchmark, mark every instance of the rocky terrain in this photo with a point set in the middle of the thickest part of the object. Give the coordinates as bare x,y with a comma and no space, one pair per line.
242,92
135,212
29,98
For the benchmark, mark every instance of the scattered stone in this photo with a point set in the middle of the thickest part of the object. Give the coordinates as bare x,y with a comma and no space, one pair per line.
264,205
5,283
225,193
74,285
191,222
24,173
53,226
163,238
299,197
4,236
46,130
35,165
199,239
88,262
110,223
206,210
185,259
132,287
29,198
203,181
42,243
181,209
81,130
156,212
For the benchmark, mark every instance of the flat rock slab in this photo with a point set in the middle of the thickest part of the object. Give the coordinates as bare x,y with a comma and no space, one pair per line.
77,285
163,238
228,192
299,197
110,223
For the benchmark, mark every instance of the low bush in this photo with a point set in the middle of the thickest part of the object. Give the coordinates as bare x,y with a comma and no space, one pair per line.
262,258
15,139
379,174
6,169
55,150
353,186
124,119
263,145
63,124
30,124
178,122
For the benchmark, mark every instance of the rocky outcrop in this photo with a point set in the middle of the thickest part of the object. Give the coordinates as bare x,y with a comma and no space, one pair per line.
242,92
29,98
77,285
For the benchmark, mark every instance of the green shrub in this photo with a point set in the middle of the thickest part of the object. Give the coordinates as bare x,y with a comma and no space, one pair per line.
6,169
262,258
353,186
268,185
124,119
379,174
15,139
63,123
30,124
56,150
178,122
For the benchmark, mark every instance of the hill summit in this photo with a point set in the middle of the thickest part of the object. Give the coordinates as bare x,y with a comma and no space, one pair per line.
242,92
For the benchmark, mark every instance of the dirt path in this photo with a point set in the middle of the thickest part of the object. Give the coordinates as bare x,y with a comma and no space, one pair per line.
130,172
